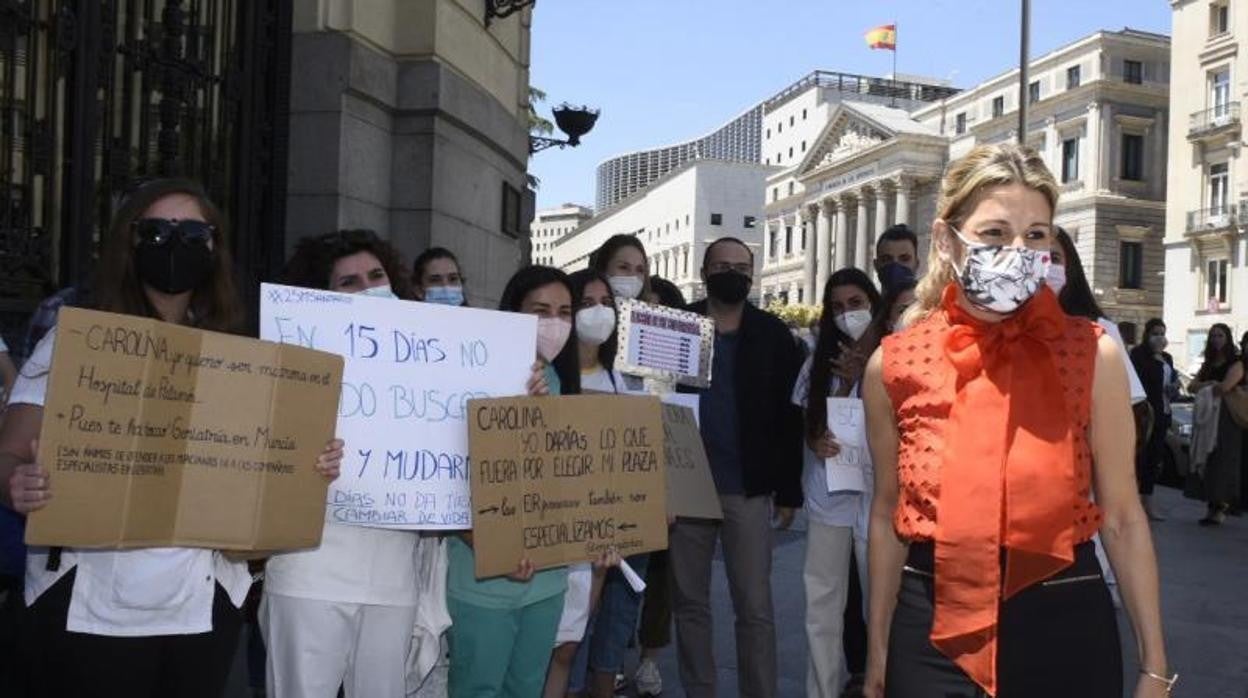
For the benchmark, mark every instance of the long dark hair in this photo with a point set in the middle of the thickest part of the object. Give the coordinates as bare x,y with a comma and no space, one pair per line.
313,261
429,255
889,301
579,280
1212,360
1076,297
668,293
116,288
567,364
829,345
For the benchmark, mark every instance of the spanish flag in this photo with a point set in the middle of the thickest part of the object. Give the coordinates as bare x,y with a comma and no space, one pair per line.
883,37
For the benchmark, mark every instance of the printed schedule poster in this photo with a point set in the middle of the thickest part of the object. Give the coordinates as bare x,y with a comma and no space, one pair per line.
159,435
562,479
664,343
410,370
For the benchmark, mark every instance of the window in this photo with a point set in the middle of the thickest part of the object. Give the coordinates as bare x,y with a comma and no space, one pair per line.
788,239
790,189
769,133
790,151
803,146
773,241
959,122
1215,283
686,219
1070,160
677,225
779,156
748,222
775,193
1219,187
1133,72
1072,77
1220,93
998,107
767,161
1033,92
1128,330
780,127
717,219
803,115
1132,159
800,293
509,220
1219,18
1130,264
792,120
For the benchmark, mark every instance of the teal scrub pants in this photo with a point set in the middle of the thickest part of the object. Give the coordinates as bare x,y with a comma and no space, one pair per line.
502,652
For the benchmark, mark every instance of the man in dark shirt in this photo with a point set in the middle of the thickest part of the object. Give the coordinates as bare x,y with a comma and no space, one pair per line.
753,440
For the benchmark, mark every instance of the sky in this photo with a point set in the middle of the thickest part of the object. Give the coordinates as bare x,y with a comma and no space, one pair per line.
667,71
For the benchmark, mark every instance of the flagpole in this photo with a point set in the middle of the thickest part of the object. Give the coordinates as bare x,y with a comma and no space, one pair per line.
896,26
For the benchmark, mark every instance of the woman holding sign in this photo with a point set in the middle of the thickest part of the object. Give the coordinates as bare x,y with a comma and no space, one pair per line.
144,622
622,259
991,418
836,506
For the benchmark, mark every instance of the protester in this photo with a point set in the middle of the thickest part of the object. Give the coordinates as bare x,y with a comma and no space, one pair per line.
988,417
896,256
149,621
341,614
1221,372
503,628
622,258
897,300
655,629
436,277
8,372
1239,508
836,516
753,441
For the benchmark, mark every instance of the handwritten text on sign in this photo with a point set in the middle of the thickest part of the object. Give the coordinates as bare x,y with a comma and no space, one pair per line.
161,435
561,479
411,369
847,471
664,343
691,489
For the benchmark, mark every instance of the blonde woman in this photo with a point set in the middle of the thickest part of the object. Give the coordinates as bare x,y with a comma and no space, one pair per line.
992,418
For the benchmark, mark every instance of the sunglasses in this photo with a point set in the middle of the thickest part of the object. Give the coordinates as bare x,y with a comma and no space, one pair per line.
160,231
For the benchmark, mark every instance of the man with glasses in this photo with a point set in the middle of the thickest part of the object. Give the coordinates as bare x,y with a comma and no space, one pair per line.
753,440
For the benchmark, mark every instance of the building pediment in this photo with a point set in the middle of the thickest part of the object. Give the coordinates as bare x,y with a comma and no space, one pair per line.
846,135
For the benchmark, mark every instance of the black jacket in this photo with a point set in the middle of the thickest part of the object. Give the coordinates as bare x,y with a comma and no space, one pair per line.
1152,375
768,361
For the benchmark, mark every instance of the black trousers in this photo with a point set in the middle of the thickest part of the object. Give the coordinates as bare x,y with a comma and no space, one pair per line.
1056,638
1148,460
854,631
61,664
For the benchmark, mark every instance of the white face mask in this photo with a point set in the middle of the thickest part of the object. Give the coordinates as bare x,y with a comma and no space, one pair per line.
378,292
854,323
595,324
628,287
1056,279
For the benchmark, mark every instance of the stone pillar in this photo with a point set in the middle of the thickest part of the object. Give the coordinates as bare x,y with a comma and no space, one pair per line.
1092,163
862,233
1053,147
766,242
902,188
823,246
842,234
881,221
803,225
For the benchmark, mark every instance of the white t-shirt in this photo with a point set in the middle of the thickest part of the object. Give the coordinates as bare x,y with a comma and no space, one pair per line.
1133,378
353,564
843,508
128,593
600,381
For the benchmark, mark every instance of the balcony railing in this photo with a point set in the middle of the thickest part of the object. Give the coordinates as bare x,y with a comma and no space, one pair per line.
1214,119
1213,219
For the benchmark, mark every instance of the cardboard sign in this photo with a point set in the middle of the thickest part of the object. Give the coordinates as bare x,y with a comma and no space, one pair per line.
691,489
561,479
411,369
160,435
664,343
847,422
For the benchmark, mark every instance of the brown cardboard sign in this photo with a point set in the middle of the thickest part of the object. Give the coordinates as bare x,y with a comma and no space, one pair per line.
561,479
691,489
159,435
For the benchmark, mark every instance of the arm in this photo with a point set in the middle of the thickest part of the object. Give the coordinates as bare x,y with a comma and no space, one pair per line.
8,373
1125,531
1233,377
886,553
23,484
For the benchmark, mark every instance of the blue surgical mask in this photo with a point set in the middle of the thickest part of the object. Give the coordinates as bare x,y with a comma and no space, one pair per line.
379,292
445,295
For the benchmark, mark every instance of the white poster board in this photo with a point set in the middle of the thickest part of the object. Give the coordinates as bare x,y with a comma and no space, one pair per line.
847,471
664,343
411,369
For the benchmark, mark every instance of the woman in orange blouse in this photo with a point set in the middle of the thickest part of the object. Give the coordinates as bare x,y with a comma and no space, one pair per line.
991,419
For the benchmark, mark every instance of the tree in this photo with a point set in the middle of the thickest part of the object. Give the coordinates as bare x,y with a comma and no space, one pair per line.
538,125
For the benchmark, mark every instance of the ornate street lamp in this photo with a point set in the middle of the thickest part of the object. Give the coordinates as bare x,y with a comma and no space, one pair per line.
574,121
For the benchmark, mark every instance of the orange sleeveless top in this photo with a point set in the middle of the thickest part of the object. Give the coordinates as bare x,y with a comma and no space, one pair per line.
993,421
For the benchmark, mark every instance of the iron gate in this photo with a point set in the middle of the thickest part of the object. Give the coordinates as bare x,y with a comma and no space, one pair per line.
95,93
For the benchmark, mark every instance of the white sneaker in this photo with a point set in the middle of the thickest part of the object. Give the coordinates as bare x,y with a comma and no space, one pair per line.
648,680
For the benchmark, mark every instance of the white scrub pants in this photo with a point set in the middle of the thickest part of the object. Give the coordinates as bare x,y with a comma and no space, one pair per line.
826,575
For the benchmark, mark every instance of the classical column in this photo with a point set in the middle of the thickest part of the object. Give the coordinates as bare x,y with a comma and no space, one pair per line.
766,242
881,220
823,246
1091,174
861,234
1053,146
842,234
902,188
802,225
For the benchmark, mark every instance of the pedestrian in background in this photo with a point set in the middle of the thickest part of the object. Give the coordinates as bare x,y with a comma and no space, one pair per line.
1220,373
437,278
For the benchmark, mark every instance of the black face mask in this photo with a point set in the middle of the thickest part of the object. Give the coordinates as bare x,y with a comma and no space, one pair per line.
174,266
728,287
